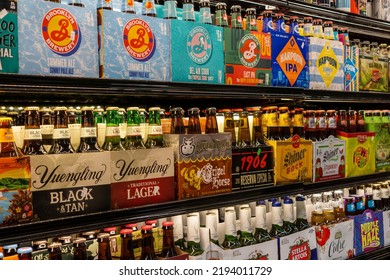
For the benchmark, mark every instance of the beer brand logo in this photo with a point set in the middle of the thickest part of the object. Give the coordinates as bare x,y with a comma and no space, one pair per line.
350,70
327,64
199,45
361,156
369,232
188,147
61,32
139,40
249,51
296,140
300,250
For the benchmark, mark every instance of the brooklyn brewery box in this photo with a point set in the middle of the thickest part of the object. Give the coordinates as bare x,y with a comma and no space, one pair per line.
247,57
9,56
335,241
203,163
326,64
298,246
70,184
351,68
328,159
359,153
58,39
134,47
197,52
289,60
140,177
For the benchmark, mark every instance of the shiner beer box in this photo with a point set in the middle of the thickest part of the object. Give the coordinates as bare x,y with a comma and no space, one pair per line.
247,57
290,60
9,56
203,163
58,39
197,52
134,47
326,64
70,184
140,177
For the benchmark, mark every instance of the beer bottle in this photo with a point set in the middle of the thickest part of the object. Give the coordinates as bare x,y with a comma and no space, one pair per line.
32,144
104,248
338,207
221,18
261,232
284,123
14,116
194,121
310,133
170,9
376,195
178,234
385,196
74,128
301,217
61,135
112,141
76,3
331,123
25,253
288,216
100,122
147,250
230,241
360,121
89,235
277,229
244,138
10,252
229,124
155,135
352,121
321,125
193,235
168,248
149,8
122,124
359,203
369,202
188,10
177,125
272,124
39,245
235,12
65,239
127,251
257,130
8,146
350,206
211,224
246,237
55,251
298,124
133,131
105,4
128,6
294,25
79,248
251,19
88,135
342,121
211,120
204,12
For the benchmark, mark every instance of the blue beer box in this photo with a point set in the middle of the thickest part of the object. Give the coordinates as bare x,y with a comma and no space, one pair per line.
58,39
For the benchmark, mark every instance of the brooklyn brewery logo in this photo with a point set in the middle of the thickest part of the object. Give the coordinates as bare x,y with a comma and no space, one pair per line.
249,51
199,45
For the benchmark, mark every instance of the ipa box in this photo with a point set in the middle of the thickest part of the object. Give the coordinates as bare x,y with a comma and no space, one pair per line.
9,55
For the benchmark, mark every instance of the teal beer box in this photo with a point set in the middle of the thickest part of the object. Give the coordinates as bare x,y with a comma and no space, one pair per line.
9,37
57,39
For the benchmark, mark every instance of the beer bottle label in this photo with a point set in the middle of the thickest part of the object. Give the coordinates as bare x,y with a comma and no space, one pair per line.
6,135
47,128
32,134
88,132
123,129
321,123
74,126
311,123
272,119
61,133
188,12
112,131
298,120
284,119
170,9
155,129
133,131
332,123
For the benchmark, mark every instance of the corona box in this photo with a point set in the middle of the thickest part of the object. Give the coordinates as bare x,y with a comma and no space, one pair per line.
9,56
58,39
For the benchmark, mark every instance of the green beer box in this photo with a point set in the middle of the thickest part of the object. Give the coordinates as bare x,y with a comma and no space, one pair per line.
58,39
373,73
9,56
197,52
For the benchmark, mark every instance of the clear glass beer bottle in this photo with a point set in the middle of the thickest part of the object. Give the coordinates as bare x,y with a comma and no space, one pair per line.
61,135
8,147
32,144
112,141
229,125
155,136
244,137
133,131
88,135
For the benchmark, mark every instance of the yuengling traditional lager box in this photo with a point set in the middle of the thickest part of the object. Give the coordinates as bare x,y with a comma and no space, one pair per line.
9,56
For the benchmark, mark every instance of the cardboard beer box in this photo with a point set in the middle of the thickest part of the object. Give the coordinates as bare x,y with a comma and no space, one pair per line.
351,68
293,160
247,57
290,56
262,251
326,64
298,246
386,227
92,250
335,241
252,167
58,39
66,185
9,55
197,52
382,143
140,177
328,159
203,163
374,72
360,151
15,192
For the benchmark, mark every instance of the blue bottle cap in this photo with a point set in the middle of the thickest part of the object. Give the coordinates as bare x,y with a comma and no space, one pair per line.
261,202
11,246
300,198
276,204
288,200
1,255
24,250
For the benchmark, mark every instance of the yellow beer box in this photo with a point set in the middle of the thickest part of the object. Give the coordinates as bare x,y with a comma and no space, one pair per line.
293,160
360,150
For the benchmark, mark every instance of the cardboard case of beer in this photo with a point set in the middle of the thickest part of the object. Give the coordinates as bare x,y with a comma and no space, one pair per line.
197,52
140,177
293,160
66,185
328,159
351,68
203,163
335,241
382,142
58,39
15,193
386,227
374,75
326,64
247,57
290,60
9,55
298,246
359,153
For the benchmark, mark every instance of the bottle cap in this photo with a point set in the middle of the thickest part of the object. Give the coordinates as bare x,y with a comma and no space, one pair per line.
54,245
276,204
112,109
300,198
60,108
79,240
286,200
103,235
167,224
110,230
24,250
154,109
31,108
146,227
11,246
126,231
132,108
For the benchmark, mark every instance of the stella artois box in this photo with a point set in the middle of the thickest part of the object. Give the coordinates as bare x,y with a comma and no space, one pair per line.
262,251
66,185
9,55
140,177
373,73
293,160
134,47
386,227
326,64
298,246
203,58
360,153
351,68
58,39
335,241
247,57
203,163
15,193
290,56
328,159
368,232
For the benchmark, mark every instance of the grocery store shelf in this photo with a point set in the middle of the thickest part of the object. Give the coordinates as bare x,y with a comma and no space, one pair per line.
379,254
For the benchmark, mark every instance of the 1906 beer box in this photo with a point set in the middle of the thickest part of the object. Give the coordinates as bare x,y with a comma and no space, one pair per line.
70,184
9,56
58,39
298,246
140,177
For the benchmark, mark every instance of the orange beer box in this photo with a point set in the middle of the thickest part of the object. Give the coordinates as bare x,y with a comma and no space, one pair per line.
328,159
9,55
58,39
360,151
140,177
298,246
293,160
203,163
66,185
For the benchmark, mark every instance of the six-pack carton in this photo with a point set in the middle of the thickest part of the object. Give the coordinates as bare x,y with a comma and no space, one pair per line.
298,246
351,68
9,55
373,72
